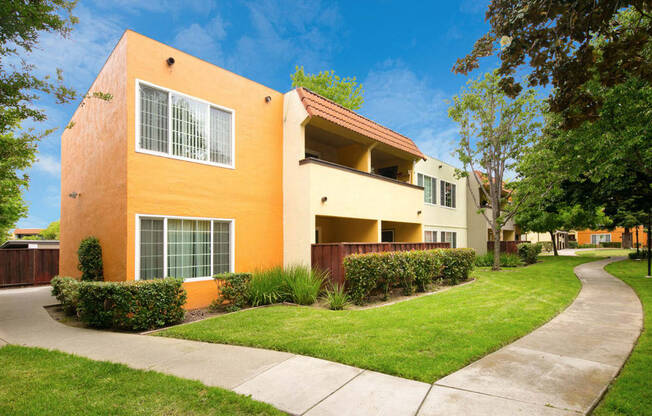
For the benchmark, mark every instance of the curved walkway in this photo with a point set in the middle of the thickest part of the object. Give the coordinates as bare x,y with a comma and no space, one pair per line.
561,368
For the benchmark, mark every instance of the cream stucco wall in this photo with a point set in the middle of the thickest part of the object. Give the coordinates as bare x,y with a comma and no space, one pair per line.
440,218
348,194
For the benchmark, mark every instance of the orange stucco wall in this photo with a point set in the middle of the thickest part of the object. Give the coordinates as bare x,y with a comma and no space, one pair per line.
584,236
251,194
94,165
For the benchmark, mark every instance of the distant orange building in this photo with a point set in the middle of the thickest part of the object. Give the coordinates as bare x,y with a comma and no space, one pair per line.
615,235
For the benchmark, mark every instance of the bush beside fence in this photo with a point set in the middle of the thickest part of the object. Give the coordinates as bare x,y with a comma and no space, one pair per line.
371,273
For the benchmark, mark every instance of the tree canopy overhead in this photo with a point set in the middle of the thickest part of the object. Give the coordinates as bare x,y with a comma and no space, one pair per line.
347,92
557,38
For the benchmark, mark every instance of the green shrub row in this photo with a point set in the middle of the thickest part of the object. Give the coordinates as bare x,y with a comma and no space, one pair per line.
371,273
506,260
641,254
133,306
66,290
572,244
297,284
610,244
529,252
586,246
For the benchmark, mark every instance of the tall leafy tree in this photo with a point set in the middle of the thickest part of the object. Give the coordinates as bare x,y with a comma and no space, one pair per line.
495,132
347,92
557,39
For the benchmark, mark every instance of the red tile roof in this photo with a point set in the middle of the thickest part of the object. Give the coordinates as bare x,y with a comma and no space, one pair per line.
318,106
27,230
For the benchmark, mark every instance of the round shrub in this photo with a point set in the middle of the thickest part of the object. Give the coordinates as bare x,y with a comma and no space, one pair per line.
90,259
233,291
66,290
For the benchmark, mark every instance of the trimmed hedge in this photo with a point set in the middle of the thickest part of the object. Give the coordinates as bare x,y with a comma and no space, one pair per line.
66,290
134,306
233,291
529,252
641,254
90,259
610,244
572,244
586,246
506,260
371,273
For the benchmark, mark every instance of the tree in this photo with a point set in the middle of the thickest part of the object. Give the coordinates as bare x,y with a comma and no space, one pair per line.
495,132
22,22
51,232
557,39
344,91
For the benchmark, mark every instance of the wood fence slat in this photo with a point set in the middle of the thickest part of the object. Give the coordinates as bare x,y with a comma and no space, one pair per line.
25,266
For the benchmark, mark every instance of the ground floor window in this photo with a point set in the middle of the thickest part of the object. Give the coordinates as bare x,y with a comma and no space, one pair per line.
183,247
430,236
600,238
449,237
387,236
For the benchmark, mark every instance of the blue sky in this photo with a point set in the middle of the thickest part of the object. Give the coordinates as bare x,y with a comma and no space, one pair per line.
401,51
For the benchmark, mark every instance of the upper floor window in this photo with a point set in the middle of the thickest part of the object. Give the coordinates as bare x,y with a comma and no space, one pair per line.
182,127
429,187
447,194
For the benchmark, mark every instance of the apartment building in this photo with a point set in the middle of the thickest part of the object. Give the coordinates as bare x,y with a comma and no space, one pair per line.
191,170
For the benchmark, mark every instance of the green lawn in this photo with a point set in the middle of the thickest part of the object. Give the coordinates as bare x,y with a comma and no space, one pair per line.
424,338
631,393
604,252
34,381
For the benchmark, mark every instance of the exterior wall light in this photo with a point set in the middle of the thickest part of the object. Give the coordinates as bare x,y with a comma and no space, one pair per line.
268,99
170,61
324,199
419,212
74,195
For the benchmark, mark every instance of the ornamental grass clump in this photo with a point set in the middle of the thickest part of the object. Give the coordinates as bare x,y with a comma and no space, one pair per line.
336,298
302,284
267,286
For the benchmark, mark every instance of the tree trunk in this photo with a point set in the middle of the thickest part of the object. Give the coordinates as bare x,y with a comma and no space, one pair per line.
626,239
637,243
554,243
496,265
649,242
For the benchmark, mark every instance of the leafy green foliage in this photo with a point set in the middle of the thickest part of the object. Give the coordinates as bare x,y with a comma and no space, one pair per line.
134,305
568,45
51,232
371,273
303,284
529,252
295,283
66,290
233,291
495,132
506,260
90,259
267,286
344,91
610,244
642,254
337,298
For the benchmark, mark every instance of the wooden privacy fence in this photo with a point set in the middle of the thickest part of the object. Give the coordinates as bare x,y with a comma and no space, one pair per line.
330,256
28,266
505,246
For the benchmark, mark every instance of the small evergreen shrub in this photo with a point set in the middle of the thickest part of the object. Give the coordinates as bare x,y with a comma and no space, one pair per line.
642,254
610,244
337,298
586,246
529,252
572,244
135,306
371,273
66,290
302,284
233,291
90,259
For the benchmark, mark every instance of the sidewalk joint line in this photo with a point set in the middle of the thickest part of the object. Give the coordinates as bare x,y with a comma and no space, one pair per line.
333,392
263,372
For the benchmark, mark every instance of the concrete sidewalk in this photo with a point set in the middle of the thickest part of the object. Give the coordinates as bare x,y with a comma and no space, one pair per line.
562,368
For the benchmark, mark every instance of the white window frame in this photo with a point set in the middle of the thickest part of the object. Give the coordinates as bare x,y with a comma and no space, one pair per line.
165,219
169,154
599,238
455,202
430,230
434,188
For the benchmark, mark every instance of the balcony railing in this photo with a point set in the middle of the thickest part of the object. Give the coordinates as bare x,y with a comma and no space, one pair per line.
356,171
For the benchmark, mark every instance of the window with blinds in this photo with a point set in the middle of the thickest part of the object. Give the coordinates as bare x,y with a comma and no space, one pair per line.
184,248
449,237
182,127
447,194
429,186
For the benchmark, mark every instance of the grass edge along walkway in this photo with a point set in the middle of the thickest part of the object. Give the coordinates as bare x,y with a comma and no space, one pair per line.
37,381
631,392
422,339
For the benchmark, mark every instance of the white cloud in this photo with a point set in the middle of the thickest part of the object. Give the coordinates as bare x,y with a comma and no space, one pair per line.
158,6
203,41
48,164
399,99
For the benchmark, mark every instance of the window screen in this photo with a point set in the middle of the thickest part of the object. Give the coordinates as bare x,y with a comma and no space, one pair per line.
151,248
